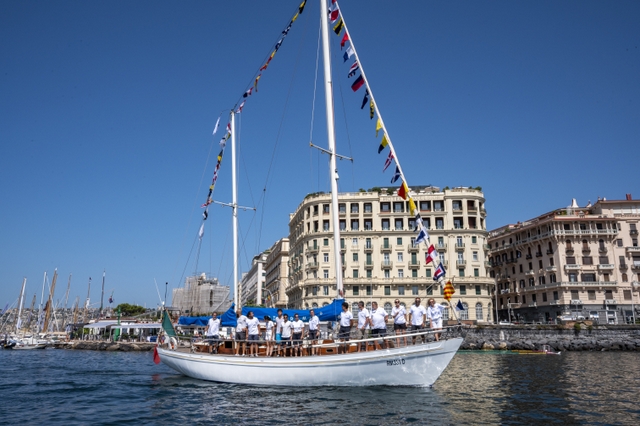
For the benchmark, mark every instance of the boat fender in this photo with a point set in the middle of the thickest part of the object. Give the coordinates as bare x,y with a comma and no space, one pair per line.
173,343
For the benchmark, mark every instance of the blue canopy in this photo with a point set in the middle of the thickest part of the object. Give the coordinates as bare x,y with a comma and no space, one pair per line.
330,312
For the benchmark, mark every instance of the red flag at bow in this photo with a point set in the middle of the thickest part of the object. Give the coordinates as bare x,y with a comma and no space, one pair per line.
156,357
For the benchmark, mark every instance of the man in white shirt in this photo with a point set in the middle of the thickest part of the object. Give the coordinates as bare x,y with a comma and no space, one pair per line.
314,324
298,328
346,318
434,313
417,318
253,325
213,333
399,315
286,332
279,321
364,318
241,332
378,321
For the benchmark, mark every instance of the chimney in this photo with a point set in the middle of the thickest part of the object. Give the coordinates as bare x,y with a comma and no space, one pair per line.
629,197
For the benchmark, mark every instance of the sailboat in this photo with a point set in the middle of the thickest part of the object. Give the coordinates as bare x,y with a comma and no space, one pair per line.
24,342
411,365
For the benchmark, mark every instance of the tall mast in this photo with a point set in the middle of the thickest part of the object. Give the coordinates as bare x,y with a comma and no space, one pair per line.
102,294
234,209
47,314
20,303
86,304
328,89
66,300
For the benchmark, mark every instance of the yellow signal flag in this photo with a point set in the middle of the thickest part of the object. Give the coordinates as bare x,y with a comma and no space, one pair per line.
448,291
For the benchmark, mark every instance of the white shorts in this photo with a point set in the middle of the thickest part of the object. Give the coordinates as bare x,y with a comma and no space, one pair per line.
436,323
267,335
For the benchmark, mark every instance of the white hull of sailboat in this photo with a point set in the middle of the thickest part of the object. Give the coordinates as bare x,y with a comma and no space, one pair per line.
28,347
418,365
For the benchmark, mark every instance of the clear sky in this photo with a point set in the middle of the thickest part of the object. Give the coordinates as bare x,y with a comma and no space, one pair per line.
107,109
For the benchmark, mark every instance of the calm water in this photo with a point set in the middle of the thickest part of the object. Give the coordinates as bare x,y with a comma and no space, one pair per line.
84,387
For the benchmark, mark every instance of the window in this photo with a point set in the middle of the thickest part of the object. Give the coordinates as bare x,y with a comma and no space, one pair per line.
428,273
575,295
387,290
478,289
400,273
587,260
369,274
474,240
439,223
385,207
356,290
342,208
387,308
445,314
387,274
325,225
399,241
325,274
555,296
367,243
619,242
591,294
624,278
368,224
325,208
414,290
400,257
325,257
355,225
343,225
414,273
368,290
398,224
474,256
626,294
544,297
398,207
325,242
476,272
400,290
463,289
314,290
385,224
368,208
461,272
430,290
573,277
608,295
325,290
355,208
355,257
425,205
464,314
355,273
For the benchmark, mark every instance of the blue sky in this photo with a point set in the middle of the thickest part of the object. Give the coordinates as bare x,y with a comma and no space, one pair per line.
107,108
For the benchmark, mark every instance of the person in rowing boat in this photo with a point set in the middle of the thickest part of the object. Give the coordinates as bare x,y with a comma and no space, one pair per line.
253,325
434,313
268,334
213,333
241,332
378,321
417,318
298,328
287,327
346,318
279,321
399,314
364,320
314,323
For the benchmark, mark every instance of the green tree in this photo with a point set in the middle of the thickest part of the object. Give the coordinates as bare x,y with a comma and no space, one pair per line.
130,310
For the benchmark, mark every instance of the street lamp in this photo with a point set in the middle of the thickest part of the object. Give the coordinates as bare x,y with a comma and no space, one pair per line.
634,284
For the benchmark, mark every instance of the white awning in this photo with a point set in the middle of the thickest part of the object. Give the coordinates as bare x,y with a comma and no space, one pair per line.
138,326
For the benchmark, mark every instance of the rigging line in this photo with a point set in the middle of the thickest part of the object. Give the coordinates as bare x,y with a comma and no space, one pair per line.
313,113
187,263
284,110
184,236
346,126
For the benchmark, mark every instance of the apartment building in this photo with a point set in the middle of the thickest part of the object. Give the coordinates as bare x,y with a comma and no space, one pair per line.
379,260
274,294
581,261
201,295
252,283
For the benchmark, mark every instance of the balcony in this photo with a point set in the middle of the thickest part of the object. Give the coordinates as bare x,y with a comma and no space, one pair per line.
459,246
633,232
387,264
602,250
538,254
532,305
610,302
576,302
605,267
441,247
386,248
572,267
312,249
529,273
549,251
528,256
554,302
623,266
635,265
368,248
569,251
633,249
368,264
551,268
414,264
413,248
460,263
312,265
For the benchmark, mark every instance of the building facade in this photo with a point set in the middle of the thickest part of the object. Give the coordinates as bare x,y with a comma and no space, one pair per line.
379,260
277,276
201,295
252,282
576,261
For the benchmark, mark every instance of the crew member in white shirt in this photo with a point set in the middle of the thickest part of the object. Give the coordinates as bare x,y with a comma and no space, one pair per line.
314,323
213,333
253,325
346,318
417,318
434,313
268,334
241,332
378,321
287,326
298,328
279,321
364,318
399,315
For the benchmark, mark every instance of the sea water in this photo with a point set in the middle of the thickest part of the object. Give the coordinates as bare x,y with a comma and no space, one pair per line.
67,387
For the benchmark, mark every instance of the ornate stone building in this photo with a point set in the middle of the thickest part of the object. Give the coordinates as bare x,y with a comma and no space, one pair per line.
578,261
380,261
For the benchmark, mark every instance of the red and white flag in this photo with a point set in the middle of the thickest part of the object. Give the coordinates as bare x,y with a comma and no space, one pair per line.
388,162
432,255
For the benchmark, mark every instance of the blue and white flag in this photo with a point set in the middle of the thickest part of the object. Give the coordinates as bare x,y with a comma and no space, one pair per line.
459,306
422,236
396,175
439,273
349,53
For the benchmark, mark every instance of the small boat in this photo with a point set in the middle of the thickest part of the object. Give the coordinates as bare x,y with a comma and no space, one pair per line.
545,350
